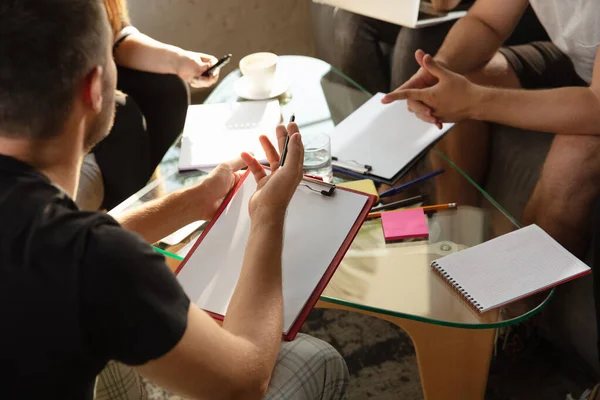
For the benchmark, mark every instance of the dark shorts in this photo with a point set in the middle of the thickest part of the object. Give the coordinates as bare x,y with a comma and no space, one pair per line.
540,65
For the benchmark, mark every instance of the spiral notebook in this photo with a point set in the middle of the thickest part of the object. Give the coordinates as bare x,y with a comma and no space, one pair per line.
318,231
509,268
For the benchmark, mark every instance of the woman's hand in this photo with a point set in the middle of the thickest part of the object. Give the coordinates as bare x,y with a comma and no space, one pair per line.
191,66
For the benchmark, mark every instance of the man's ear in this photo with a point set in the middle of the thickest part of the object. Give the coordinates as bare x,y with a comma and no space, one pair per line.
92,89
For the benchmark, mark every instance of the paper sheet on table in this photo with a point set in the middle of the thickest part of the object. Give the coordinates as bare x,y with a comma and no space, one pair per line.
404,224
215,133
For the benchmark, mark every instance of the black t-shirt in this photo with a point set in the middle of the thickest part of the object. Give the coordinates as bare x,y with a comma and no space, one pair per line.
76,290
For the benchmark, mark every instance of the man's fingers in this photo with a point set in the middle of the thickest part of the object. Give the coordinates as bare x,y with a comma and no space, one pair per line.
419,54
254,166
433,67
292,128
417,107
427,118
405,94
270,151
236,164
281,132
295,155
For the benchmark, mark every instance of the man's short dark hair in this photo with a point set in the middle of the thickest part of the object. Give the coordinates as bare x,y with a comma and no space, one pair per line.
46,48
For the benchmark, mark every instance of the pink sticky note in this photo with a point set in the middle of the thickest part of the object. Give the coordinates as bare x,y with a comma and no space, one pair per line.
404,224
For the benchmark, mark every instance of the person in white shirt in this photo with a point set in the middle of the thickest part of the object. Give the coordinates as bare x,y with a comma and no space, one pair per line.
551,86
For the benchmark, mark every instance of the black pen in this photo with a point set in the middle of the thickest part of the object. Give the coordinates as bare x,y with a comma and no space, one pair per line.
401,203
285,145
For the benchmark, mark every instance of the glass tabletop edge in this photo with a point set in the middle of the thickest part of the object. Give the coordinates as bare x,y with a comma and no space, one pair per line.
459,325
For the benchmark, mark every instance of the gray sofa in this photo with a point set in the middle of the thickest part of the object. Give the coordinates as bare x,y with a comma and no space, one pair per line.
570,319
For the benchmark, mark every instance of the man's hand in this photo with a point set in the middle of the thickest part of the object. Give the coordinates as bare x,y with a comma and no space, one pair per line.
275,191
191,66
421,80
217,185
451,99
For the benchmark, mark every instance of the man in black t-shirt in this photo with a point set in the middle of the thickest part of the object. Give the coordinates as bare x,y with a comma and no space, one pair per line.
77,289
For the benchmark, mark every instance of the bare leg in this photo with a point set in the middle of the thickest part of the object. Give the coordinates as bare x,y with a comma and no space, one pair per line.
467,145
563,199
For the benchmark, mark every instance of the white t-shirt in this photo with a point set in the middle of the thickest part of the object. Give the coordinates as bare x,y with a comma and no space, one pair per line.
574,27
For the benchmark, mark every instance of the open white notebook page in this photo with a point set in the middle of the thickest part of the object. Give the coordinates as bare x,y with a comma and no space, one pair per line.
215,133
512,266
386,136
316,226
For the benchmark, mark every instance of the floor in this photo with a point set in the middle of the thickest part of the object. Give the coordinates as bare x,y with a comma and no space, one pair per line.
382,363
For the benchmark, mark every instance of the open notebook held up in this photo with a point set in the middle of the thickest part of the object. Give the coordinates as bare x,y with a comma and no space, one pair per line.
509,268
318,232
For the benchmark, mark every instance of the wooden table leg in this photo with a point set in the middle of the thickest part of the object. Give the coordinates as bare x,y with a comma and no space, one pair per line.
453,363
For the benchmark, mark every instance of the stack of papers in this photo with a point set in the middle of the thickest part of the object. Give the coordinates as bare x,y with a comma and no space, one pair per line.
387,137
215,133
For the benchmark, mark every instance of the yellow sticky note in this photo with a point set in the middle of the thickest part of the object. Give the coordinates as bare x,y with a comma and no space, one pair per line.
364,185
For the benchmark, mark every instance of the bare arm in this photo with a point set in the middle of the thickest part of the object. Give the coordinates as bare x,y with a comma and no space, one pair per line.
573,110
236,360
475,38
141,52
159,218
568,110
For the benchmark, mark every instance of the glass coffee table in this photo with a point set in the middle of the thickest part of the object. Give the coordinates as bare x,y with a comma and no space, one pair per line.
393,282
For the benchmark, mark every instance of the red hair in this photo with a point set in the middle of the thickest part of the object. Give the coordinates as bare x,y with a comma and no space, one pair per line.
117,14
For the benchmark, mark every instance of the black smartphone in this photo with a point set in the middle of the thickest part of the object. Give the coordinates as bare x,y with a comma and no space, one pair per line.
221,63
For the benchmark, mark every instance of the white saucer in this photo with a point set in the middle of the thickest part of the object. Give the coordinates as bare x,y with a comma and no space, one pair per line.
280,85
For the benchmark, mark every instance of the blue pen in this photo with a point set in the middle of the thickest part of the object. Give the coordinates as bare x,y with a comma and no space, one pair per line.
356,175
398,189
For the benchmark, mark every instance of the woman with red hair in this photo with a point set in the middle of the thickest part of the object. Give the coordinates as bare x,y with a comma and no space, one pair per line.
154,78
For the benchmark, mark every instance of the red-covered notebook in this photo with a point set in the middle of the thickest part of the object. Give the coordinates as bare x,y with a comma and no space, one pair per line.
319,230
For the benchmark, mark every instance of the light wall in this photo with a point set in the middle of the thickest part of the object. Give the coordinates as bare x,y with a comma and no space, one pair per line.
218,27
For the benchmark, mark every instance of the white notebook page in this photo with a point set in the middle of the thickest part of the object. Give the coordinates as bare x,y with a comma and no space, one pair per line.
315,229
511,266
215,133
387,137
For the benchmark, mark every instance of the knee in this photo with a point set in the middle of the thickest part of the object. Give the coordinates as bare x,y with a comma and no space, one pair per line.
173,89
322,358
129,124
346,27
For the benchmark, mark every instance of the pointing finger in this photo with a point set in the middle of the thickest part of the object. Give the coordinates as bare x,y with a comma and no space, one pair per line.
405,94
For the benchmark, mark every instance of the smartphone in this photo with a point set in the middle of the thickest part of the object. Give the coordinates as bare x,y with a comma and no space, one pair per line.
221,63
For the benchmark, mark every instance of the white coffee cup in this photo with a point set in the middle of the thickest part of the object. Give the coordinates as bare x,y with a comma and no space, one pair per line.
259,70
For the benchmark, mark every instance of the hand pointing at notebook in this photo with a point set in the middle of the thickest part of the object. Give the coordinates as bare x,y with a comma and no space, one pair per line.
435,94
275,191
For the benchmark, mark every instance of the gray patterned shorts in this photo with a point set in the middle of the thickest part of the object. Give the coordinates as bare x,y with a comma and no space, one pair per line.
306,369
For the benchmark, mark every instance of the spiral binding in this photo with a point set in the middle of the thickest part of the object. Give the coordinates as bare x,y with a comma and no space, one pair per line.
441,272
